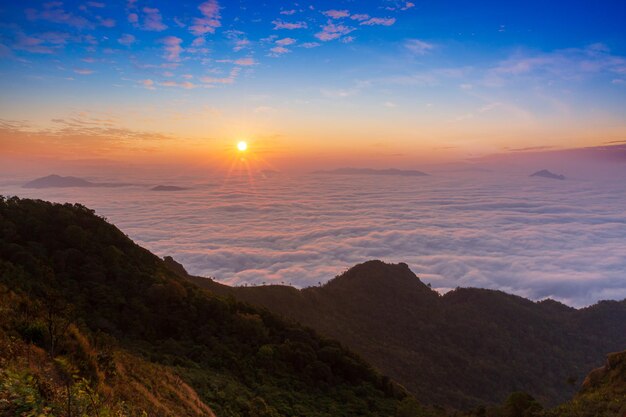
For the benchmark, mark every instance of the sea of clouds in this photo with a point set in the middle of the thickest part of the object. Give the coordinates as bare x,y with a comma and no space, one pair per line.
534,237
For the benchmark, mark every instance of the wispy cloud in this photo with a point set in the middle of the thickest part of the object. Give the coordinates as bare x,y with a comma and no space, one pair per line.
279,24
83,71
230,79
419,47
336,14
331,31
44,43
210,19
173,48
572,64
126,39
245,62
360,17
53,12
379,21
185,84
152,20
286,41
148,84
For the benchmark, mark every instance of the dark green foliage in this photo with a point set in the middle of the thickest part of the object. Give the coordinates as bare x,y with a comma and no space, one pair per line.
466,348
521,404
603,393
81,272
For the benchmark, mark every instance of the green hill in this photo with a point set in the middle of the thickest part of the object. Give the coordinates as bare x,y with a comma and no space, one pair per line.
471,346
92,324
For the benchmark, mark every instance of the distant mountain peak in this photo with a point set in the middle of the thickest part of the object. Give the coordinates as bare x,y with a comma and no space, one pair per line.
55,180
379,277
371,171
168,188
544,173
58,181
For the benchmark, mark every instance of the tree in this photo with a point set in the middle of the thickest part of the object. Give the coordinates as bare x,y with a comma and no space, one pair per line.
521,404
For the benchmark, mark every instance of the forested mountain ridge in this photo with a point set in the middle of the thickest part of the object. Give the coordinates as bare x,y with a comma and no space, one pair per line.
470,346
92,323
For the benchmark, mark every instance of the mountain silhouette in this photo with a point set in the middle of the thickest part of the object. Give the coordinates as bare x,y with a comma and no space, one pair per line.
57,181
371,171
467,347
544,173
168,188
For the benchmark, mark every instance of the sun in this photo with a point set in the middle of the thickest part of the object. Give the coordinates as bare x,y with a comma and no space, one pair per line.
242,146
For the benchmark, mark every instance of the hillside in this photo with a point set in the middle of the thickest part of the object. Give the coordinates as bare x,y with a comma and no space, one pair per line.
90,321
468,347
603,392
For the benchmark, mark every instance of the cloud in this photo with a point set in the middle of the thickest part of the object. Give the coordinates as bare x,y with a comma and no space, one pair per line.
53,12
126,39
569,65
279,24
172,48
230,79
379,21
185,84
288,12
279,50
245,62
360,17
148,84
210,19
44,43
418,47
152,20
79,134
285,41
494,231
310,45
336,14
106,22
332,31
83,71
238,38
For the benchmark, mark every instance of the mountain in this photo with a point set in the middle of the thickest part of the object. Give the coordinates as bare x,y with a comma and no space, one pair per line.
544,173
467,347
370,171
56,181
168,188
93,324
603,392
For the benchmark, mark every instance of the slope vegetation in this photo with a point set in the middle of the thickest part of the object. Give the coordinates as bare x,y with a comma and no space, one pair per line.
99,323
468,347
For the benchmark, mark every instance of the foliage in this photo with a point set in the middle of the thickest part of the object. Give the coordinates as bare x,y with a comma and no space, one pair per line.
466,348
105,310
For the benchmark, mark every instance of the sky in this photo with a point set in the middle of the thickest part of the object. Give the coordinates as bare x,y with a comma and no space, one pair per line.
367,83
477,94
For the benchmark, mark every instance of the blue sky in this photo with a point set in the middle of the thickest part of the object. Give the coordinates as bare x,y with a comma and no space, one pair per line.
461,72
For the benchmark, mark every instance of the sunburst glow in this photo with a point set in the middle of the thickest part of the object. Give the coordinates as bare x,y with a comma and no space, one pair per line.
242,146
